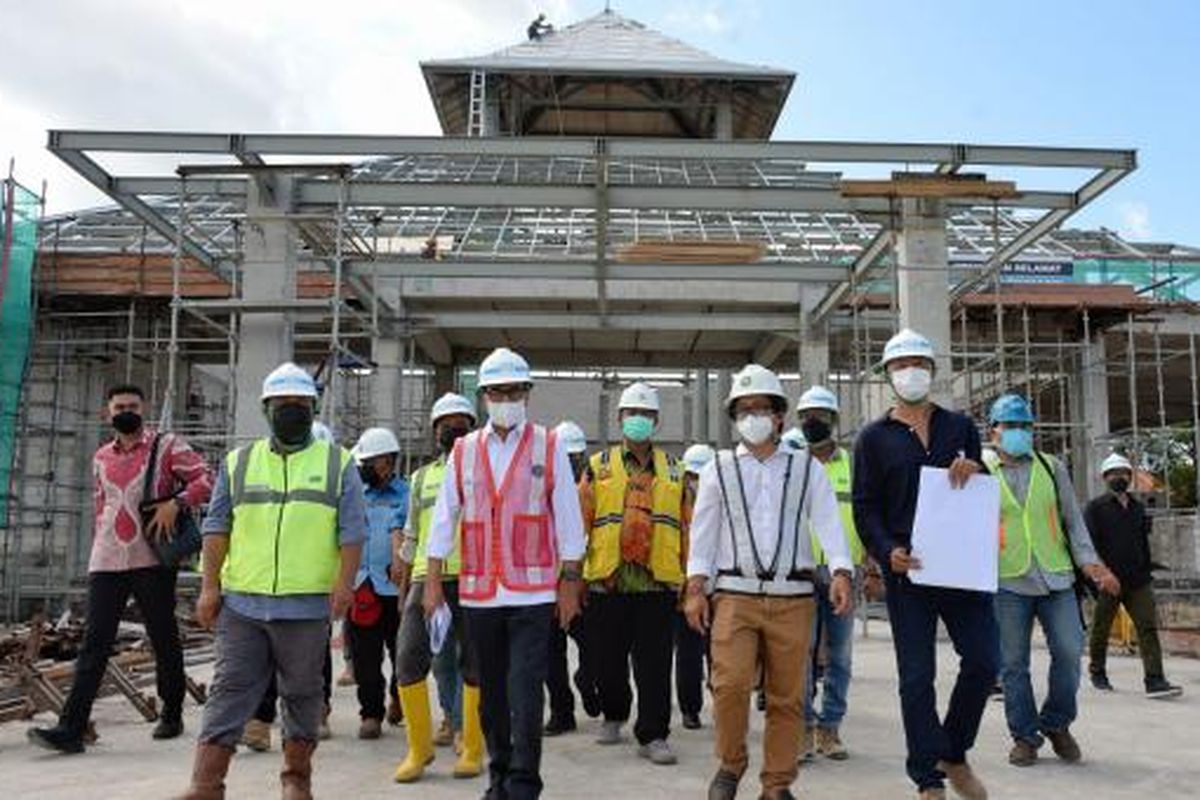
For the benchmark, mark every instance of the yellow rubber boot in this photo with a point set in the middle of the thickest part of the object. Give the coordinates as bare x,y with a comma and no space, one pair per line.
470,761
414,698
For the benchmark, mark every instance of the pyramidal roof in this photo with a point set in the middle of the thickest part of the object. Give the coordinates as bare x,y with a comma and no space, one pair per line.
609,43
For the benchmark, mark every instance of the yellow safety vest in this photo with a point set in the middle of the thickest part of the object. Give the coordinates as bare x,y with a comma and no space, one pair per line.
838,470
604,540
426,483
284,536
1030,528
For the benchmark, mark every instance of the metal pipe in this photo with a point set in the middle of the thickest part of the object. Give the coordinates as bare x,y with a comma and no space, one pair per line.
168,406
1131,348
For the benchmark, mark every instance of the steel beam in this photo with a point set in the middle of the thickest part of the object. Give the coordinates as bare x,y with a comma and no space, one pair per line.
584,269
484,319
862,266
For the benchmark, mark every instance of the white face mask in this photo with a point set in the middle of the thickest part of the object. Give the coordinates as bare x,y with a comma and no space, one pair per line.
755,429
912,383
506,415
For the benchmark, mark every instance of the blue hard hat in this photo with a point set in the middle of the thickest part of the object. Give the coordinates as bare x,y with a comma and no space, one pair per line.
1010,408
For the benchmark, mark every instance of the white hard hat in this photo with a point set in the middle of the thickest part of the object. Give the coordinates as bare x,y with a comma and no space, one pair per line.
503,366
321,432
904,344
288,380
696,457
794,439
818,397
1115,461
639,395
451,403
754,379
375,442
572,437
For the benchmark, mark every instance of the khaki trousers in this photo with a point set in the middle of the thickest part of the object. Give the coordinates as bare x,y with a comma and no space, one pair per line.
776,631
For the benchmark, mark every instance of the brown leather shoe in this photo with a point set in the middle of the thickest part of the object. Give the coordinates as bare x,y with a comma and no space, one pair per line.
1023,754
208,773
963,780
296,776
932,793
1064,744
370,729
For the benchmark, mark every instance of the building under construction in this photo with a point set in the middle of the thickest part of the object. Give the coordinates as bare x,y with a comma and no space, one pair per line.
608,201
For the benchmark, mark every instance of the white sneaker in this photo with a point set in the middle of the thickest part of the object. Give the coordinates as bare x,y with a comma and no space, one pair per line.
610,733
658,751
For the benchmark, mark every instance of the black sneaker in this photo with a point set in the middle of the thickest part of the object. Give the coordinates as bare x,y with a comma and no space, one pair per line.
167,728
57,738
692,722
1100,681
1160,689
724,786
590,697
558,726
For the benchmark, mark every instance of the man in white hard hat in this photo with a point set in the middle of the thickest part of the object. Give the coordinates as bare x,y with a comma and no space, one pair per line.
370,627
691,646
750,543
1120,529
817,413
522,538
636,519
562,701
888,458
282,544
451,418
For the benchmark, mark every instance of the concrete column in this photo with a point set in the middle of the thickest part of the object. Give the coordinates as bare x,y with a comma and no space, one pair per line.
814,341
923,283
388,355
268,274
724,432
1089,403
700,407
724,130
443,381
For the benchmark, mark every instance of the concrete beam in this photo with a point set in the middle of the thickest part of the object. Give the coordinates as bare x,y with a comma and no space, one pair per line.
667,321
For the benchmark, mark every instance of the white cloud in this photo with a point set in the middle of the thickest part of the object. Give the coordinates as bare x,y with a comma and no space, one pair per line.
1135,221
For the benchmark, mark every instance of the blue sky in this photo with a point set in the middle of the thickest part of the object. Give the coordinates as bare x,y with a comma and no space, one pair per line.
1054,72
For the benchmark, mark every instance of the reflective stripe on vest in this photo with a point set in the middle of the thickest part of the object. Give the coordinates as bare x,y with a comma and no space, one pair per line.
610,483
790,570
427,482
507,529
1030,529
838,470
284,536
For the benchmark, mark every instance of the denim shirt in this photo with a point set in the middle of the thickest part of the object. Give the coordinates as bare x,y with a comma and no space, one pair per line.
387,508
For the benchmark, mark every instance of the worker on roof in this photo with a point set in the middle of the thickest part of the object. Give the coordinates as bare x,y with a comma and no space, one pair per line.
636,519
750,543
539,28
522,538
1043,539
282,544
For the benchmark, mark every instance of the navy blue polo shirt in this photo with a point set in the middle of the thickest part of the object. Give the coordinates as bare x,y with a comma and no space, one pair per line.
888,457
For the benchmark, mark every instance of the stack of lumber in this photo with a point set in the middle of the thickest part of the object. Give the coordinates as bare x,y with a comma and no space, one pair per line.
691,251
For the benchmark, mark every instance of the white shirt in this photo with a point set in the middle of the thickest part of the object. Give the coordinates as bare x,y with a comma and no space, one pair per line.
711,544
564,510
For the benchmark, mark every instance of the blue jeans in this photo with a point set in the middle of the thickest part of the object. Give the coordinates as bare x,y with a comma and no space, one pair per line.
1058,613
970,619
835,682
449,685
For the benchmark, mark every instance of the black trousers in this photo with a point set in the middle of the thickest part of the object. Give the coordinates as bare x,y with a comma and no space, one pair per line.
691,651
367,646
153,590
558,685
511,646
266,711
635,627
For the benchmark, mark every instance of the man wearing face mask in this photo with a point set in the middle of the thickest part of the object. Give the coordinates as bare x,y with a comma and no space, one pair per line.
691,646
888,458
451,418
1120,528
1037,576
124,563
562,702
634,512
522,538
751,544
282,544
374,616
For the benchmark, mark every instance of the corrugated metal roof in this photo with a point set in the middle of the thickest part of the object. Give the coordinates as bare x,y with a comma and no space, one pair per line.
609,42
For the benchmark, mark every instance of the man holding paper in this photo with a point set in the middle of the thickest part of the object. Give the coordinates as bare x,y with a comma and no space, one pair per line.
888,459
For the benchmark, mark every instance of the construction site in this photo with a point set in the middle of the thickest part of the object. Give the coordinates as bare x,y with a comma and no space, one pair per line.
610,202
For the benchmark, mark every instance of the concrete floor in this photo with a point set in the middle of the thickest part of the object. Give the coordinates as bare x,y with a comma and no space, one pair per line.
1133,748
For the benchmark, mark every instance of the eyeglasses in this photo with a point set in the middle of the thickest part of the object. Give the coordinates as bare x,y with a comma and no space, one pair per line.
513,391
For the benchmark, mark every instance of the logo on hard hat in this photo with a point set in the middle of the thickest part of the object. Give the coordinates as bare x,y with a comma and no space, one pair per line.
747,380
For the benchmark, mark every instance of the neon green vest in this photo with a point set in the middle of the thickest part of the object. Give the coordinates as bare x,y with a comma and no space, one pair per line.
284,536
426,483
838,470
1030,529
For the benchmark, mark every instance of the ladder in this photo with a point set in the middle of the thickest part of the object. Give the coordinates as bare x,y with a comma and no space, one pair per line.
478,101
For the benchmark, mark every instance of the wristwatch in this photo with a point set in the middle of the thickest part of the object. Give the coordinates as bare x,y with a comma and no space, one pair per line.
571,574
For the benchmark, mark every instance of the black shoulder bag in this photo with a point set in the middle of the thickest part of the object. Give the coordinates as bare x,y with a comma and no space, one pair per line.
185,540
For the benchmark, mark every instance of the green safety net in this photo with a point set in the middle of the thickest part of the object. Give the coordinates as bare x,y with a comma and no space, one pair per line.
18,246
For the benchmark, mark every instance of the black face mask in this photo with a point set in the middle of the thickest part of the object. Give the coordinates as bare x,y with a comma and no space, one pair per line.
816,431
1119,485
291,424
578,464
127,422
448,436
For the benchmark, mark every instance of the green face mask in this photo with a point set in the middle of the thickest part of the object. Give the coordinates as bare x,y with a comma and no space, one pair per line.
637,429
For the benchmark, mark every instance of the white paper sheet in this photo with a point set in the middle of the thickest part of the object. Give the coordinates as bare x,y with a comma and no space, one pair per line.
438,624
956,532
